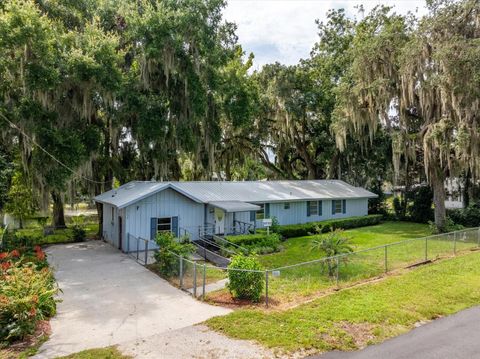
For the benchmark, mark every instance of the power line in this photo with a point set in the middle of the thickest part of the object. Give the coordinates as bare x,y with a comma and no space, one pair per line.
49,154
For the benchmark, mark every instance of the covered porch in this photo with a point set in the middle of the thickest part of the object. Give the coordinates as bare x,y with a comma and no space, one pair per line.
230,217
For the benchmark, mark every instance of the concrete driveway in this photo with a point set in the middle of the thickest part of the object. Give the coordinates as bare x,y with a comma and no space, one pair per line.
108,298
453,337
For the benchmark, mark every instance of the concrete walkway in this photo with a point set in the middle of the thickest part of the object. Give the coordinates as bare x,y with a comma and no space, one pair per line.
453,337
108,298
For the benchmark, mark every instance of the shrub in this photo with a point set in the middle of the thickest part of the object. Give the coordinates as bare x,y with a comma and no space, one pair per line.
275,225
170,249
27,295
78,233
468,217
245,285
399,208
420,210
260,243
300,230
450,226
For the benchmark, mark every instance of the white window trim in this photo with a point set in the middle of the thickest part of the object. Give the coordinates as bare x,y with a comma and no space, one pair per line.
341,206
316,206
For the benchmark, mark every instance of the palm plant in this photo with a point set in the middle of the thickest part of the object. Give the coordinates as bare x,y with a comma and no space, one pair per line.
333,244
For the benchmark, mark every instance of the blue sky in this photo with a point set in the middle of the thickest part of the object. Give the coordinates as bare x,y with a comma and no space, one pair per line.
285,30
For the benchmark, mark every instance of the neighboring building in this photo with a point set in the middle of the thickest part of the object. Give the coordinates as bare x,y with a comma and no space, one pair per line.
142,209
454,193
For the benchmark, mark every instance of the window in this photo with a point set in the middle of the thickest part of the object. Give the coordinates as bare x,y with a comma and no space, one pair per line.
312,208
286,205
164,224
338,206
261,212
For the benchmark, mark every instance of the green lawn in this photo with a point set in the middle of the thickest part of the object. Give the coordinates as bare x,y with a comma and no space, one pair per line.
298,250
299,283
101,353
363,315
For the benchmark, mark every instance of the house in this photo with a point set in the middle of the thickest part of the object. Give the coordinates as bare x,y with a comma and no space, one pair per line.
142,209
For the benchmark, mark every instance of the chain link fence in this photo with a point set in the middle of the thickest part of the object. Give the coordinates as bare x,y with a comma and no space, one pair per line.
288,283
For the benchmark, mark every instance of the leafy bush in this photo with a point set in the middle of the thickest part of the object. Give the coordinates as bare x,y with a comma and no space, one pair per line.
300,230
245,284
468,217
450,226
260,243
27,293
399,208
420,210
78,233
275,225
170,249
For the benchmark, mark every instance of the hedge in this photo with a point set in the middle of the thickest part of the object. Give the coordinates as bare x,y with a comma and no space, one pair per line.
260,242
300,230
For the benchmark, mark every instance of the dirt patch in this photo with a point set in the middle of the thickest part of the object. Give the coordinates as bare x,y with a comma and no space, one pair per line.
30,342
225,299
361,333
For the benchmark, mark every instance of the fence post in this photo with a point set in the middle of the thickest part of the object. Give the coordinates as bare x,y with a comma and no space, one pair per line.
204,280
137,247
181,272
455,243
337,263
426,249
146,252
266,288
195,279
386,259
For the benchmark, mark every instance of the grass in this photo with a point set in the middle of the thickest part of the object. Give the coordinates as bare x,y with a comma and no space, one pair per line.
297,250
352,318
293,285
101,353
59,235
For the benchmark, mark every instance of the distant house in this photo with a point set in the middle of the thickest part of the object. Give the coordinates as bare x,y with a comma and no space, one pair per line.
142,209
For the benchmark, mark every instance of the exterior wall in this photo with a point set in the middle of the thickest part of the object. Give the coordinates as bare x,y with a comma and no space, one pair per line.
297,213
167,203
110,228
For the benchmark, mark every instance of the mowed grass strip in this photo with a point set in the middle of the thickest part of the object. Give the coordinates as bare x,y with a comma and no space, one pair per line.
355,317
100,353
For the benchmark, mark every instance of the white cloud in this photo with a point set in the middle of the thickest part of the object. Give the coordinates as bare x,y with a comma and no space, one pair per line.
285,30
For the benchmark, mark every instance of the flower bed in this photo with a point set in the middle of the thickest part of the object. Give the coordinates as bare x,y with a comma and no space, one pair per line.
27,292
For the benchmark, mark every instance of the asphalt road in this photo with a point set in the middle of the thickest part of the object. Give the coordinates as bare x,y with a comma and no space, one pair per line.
453,337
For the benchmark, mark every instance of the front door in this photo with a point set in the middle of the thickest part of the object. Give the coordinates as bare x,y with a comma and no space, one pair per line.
219,221
120,232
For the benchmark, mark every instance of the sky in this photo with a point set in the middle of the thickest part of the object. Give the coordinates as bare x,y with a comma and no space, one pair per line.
285,30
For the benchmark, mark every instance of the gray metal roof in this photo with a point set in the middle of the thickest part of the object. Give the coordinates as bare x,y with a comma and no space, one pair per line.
235,206
245,191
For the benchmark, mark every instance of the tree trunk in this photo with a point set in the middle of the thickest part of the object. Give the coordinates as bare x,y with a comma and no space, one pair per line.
466,189
58,220
438,186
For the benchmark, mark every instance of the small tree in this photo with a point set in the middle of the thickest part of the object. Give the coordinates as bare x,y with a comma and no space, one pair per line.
170,249
21,203
333,244
246,284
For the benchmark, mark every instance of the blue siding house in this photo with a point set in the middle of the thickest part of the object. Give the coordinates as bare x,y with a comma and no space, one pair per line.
142,209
